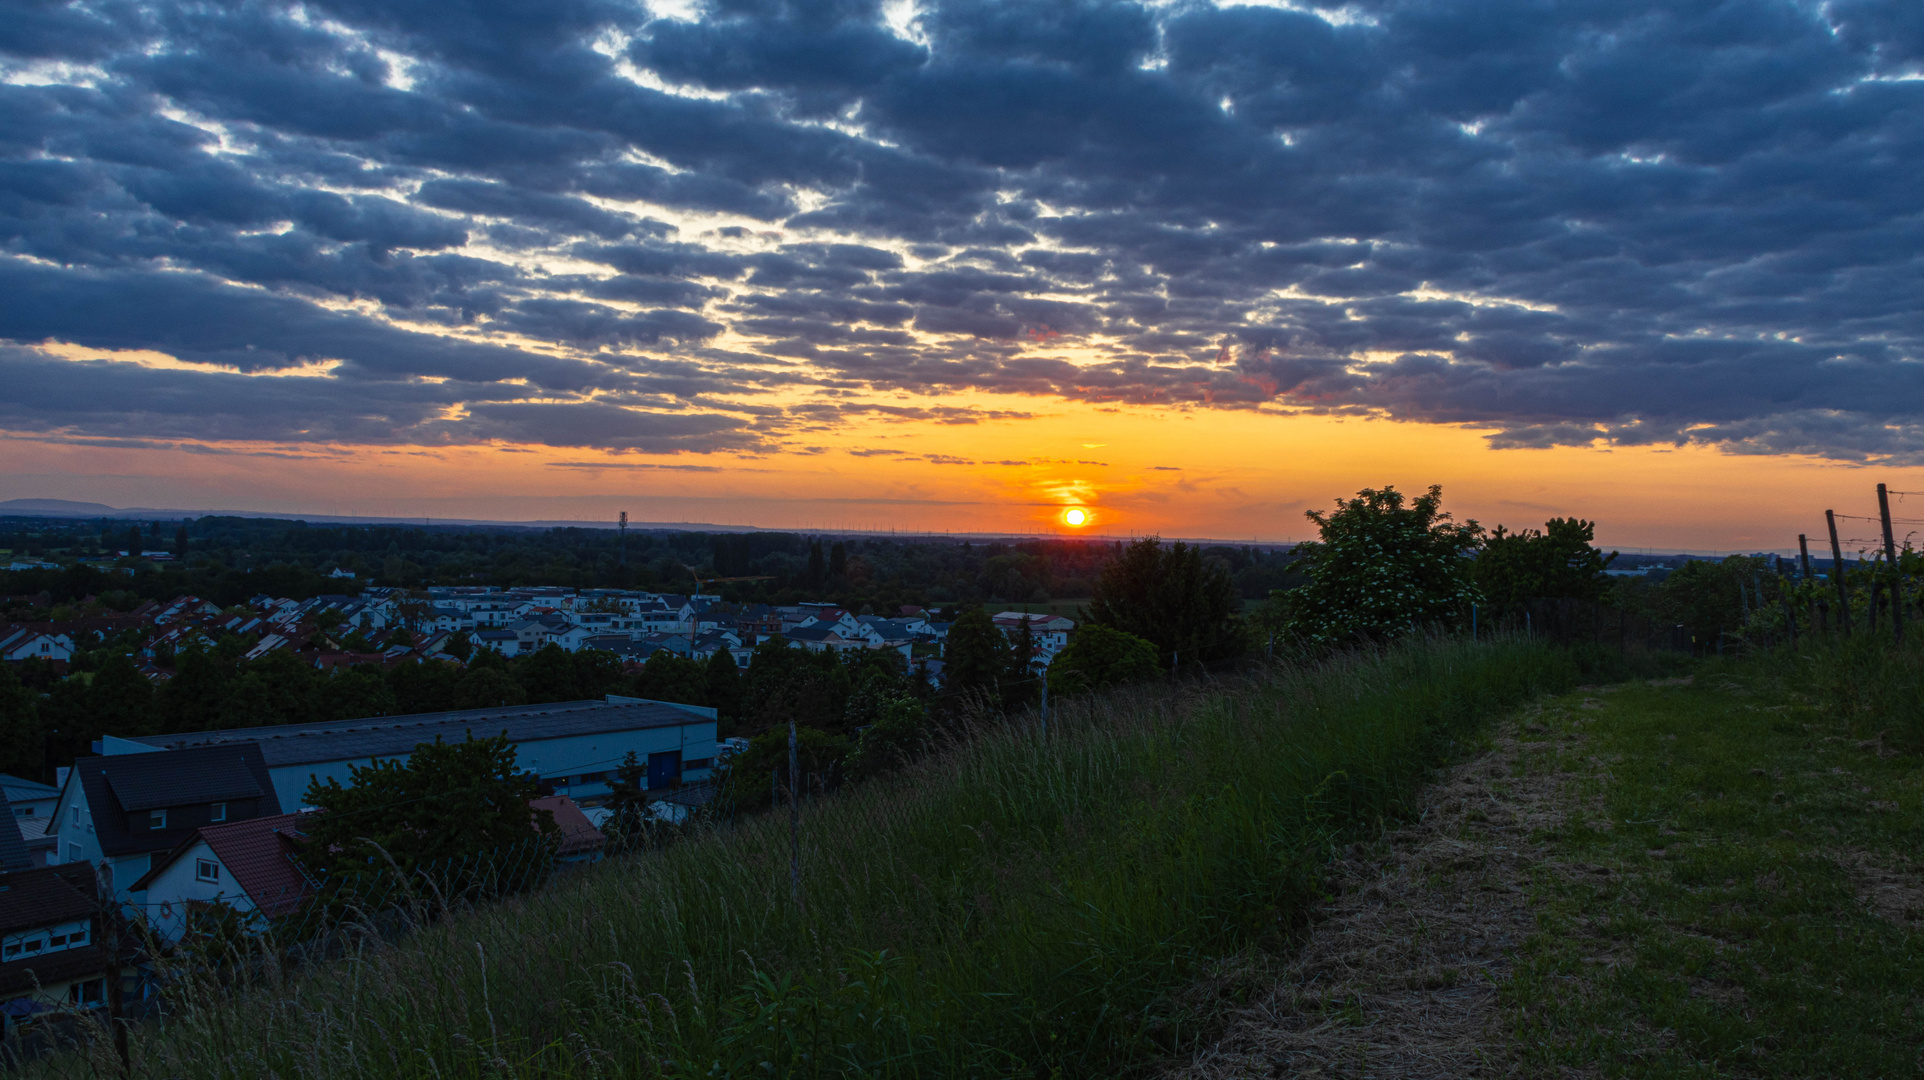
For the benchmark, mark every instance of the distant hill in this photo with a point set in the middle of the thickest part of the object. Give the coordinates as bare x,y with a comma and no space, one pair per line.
56,506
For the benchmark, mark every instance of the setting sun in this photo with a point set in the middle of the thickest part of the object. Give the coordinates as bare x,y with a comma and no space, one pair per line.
1075,517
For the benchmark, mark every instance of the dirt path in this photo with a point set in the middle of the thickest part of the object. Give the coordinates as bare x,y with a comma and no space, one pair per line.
1399,976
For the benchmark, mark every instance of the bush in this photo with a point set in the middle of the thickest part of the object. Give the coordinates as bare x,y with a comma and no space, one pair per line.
1380,569
1100,657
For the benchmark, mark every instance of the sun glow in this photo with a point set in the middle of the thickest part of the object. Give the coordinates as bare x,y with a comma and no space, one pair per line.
1075,517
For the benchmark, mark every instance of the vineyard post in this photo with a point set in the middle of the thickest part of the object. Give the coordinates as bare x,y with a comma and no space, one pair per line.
1837,575
1890,559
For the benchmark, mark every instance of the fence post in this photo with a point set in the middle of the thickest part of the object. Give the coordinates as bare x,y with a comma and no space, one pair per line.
1890,557
794,821
1837,574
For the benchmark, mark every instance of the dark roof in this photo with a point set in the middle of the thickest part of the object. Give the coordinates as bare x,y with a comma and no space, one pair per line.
43,897
259,857
392,736
52,969
189,777
144,784
13,849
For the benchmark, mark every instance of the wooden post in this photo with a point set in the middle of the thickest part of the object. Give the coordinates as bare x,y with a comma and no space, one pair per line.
794,821
1837,575
1890,558
1803,554
107,932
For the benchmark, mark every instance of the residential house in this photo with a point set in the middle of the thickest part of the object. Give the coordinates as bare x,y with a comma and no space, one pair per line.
29,798
54,953
1051,632
122,810
579,840
246,867
26,643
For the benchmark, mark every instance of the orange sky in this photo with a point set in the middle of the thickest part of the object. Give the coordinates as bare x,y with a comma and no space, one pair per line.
1195,472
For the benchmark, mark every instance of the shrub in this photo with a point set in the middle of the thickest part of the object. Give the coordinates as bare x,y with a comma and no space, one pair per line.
1100,657
1380,569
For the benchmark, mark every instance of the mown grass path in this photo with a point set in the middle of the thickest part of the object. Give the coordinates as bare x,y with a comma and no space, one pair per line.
1735,888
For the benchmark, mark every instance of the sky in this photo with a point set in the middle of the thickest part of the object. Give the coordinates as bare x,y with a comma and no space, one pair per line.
954,265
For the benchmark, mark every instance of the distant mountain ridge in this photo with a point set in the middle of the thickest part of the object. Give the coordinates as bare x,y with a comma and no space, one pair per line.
57,506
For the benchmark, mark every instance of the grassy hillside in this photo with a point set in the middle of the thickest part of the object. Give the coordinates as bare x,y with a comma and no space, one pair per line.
1737,888
1025,904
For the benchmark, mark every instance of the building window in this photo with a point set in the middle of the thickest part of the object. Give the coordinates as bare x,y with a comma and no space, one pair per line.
220,812
206,870
34,945
76,817
12,951
157,819
91,992
78,937
26,811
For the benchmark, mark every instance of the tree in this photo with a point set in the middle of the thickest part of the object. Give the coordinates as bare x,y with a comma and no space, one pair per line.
897,733
23,749
1556,561
784,683
748,780
1382,568
812,578
446,801
975,658
838,564
459,646
351,693
191,700
133,541
120,698
1019,685
722,685
488,688
1101,656
180,541
1169,597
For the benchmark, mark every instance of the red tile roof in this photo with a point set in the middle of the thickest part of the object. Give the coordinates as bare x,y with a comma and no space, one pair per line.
258,855
578,834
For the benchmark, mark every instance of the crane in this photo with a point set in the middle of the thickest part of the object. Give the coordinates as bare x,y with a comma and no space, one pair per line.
694,620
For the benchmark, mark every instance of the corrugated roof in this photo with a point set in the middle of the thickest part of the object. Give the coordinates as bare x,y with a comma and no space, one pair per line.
392,736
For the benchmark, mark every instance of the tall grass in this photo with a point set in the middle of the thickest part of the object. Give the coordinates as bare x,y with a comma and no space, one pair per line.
1020,904
1866,680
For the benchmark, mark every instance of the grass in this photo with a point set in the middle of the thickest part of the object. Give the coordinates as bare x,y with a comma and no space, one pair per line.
1736,887
1021,905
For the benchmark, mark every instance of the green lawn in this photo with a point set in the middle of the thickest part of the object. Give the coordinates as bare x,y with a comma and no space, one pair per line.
1736,885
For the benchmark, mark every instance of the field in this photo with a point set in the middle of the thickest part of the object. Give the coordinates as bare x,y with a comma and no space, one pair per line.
1028,904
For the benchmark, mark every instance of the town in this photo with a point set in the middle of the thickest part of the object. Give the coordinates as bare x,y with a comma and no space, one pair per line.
169,825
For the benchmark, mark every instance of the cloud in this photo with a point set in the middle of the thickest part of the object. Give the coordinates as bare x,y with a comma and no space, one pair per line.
578,224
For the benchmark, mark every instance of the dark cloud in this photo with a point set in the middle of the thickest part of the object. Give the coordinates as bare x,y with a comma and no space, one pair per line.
1565,223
